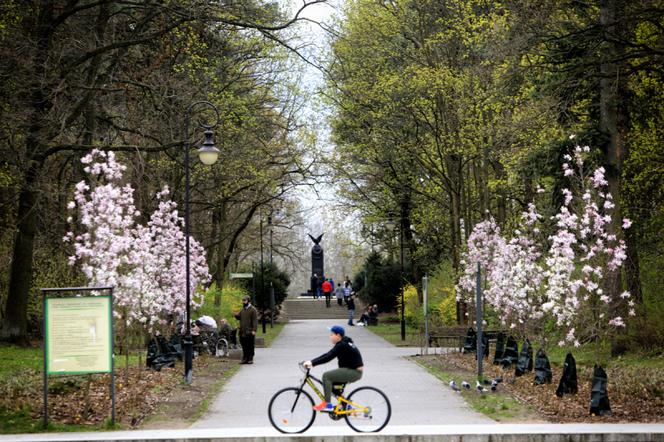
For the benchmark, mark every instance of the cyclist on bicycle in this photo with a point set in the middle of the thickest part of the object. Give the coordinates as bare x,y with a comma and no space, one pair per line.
350,365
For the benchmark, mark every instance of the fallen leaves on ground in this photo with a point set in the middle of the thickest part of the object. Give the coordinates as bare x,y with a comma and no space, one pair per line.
138,392
636,394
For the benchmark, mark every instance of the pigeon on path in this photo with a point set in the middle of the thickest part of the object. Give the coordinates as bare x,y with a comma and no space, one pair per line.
453,385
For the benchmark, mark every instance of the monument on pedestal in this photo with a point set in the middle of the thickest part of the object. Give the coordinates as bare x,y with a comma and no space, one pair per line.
317,264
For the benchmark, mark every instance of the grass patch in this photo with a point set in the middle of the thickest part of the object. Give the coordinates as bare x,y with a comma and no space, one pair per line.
21,421
586,355
391,332
271,333
14,360
498,406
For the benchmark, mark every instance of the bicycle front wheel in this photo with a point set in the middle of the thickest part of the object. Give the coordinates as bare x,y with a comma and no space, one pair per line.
291,410
369,410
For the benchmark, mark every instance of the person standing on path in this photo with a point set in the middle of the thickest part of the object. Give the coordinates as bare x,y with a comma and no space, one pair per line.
350,302
350,365
327,291
314,286
348,288
339,293
248,318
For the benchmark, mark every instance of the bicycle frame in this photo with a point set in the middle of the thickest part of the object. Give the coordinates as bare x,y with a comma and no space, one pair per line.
341,408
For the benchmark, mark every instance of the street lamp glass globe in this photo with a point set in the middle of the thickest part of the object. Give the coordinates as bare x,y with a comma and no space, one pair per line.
208,153
208,156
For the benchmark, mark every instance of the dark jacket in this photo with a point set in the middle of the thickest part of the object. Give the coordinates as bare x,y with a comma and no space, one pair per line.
350,302
345,350
248,320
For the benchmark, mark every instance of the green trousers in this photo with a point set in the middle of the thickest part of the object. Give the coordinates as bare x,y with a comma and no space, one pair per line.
338,376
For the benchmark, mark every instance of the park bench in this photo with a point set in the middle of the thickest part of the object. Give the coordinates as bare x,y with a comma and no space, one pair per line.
454,337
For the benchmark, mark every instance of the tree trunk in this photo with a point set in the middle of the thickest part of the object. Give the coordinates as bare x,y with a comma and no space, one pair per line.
614,122
454,171
15,325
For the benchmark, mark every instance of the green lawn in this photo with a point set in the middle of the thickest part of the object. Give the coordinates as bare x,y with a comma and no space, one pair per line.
271,333
391,332
19,360
498,406
21,421
586,355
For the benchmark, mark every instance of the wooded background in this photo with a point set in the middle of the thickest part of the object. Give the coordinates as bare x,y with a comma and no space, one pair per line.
449,112
442,113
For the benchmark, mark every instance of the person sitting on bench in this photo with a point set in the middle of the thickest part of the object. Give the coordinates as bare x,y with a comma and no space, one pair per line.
373,315
364,318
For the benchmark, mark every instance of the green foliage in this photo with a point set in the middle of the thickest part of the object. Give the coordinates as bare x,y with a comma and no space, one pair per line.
382,282
231,301
461,110
442,295
389,328
272,275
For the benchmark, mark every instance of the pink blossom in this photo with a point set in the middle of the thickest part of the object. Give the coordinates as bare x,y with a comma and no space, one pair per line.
144,263
617,322
626,224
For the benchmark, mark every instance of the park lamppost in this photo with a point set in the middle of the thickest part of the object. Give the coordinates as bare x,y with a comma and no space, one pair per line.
391,225
208,155
260,229
269,224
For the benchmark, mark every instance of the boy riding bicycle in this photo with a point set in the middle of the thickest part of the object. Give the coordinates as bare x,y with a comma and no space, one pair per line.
350,365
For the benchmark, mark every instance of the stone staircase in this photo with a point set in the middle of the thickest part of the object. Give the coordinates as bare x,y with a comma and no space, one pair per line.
308,308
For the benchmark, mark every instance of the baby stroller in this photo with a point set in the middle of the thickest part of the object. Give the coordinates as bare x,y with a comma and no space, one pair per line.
206,338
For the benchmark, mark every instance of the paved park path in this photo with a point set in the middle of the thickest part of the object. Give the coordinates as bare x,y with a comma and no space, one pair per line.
417,397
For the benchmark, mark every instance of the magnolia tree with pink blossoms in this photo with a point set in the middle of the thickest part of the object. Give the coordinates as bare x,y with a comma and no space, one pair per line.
145,264
582,251
511,271
530,282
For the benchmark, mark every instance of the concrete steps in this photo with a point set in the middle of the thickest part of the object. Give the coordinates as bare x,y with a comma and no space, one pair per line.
308,308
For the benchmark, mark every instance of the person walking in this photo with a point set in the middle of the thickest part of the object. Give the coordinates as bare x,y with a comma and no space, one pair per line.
339,293
350,365
248,318
350,302
327,291
347,290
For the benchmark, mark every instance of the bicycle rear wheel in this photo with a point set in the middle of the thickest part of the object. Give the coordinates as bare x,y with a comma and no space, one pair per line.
371,410
291,410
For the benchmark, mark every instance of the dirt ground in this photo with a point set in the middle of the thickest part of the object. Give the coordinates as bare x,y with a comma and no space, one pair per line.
183,404
144,398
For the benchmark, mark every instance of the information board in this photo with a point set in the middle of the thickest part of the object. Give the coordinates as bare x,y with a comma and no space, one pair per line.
78,335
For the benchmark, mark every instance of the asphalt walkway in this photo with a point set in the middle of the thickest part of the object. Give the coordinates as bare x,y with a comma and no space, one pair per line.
417,397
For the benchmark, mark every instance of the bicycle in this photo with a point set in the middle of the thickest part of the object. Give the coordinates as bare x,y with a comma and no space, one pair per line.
366,409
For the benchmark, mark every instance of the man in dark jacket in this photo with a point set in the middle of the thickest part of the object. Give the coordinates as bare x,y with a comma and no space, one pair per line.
350,302
350,365
248,317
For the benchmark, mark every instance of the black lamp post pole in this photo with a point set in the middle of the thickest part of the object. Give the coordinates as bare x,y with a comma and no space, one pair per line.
262,275
187,342
269,223
208,146
401,279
